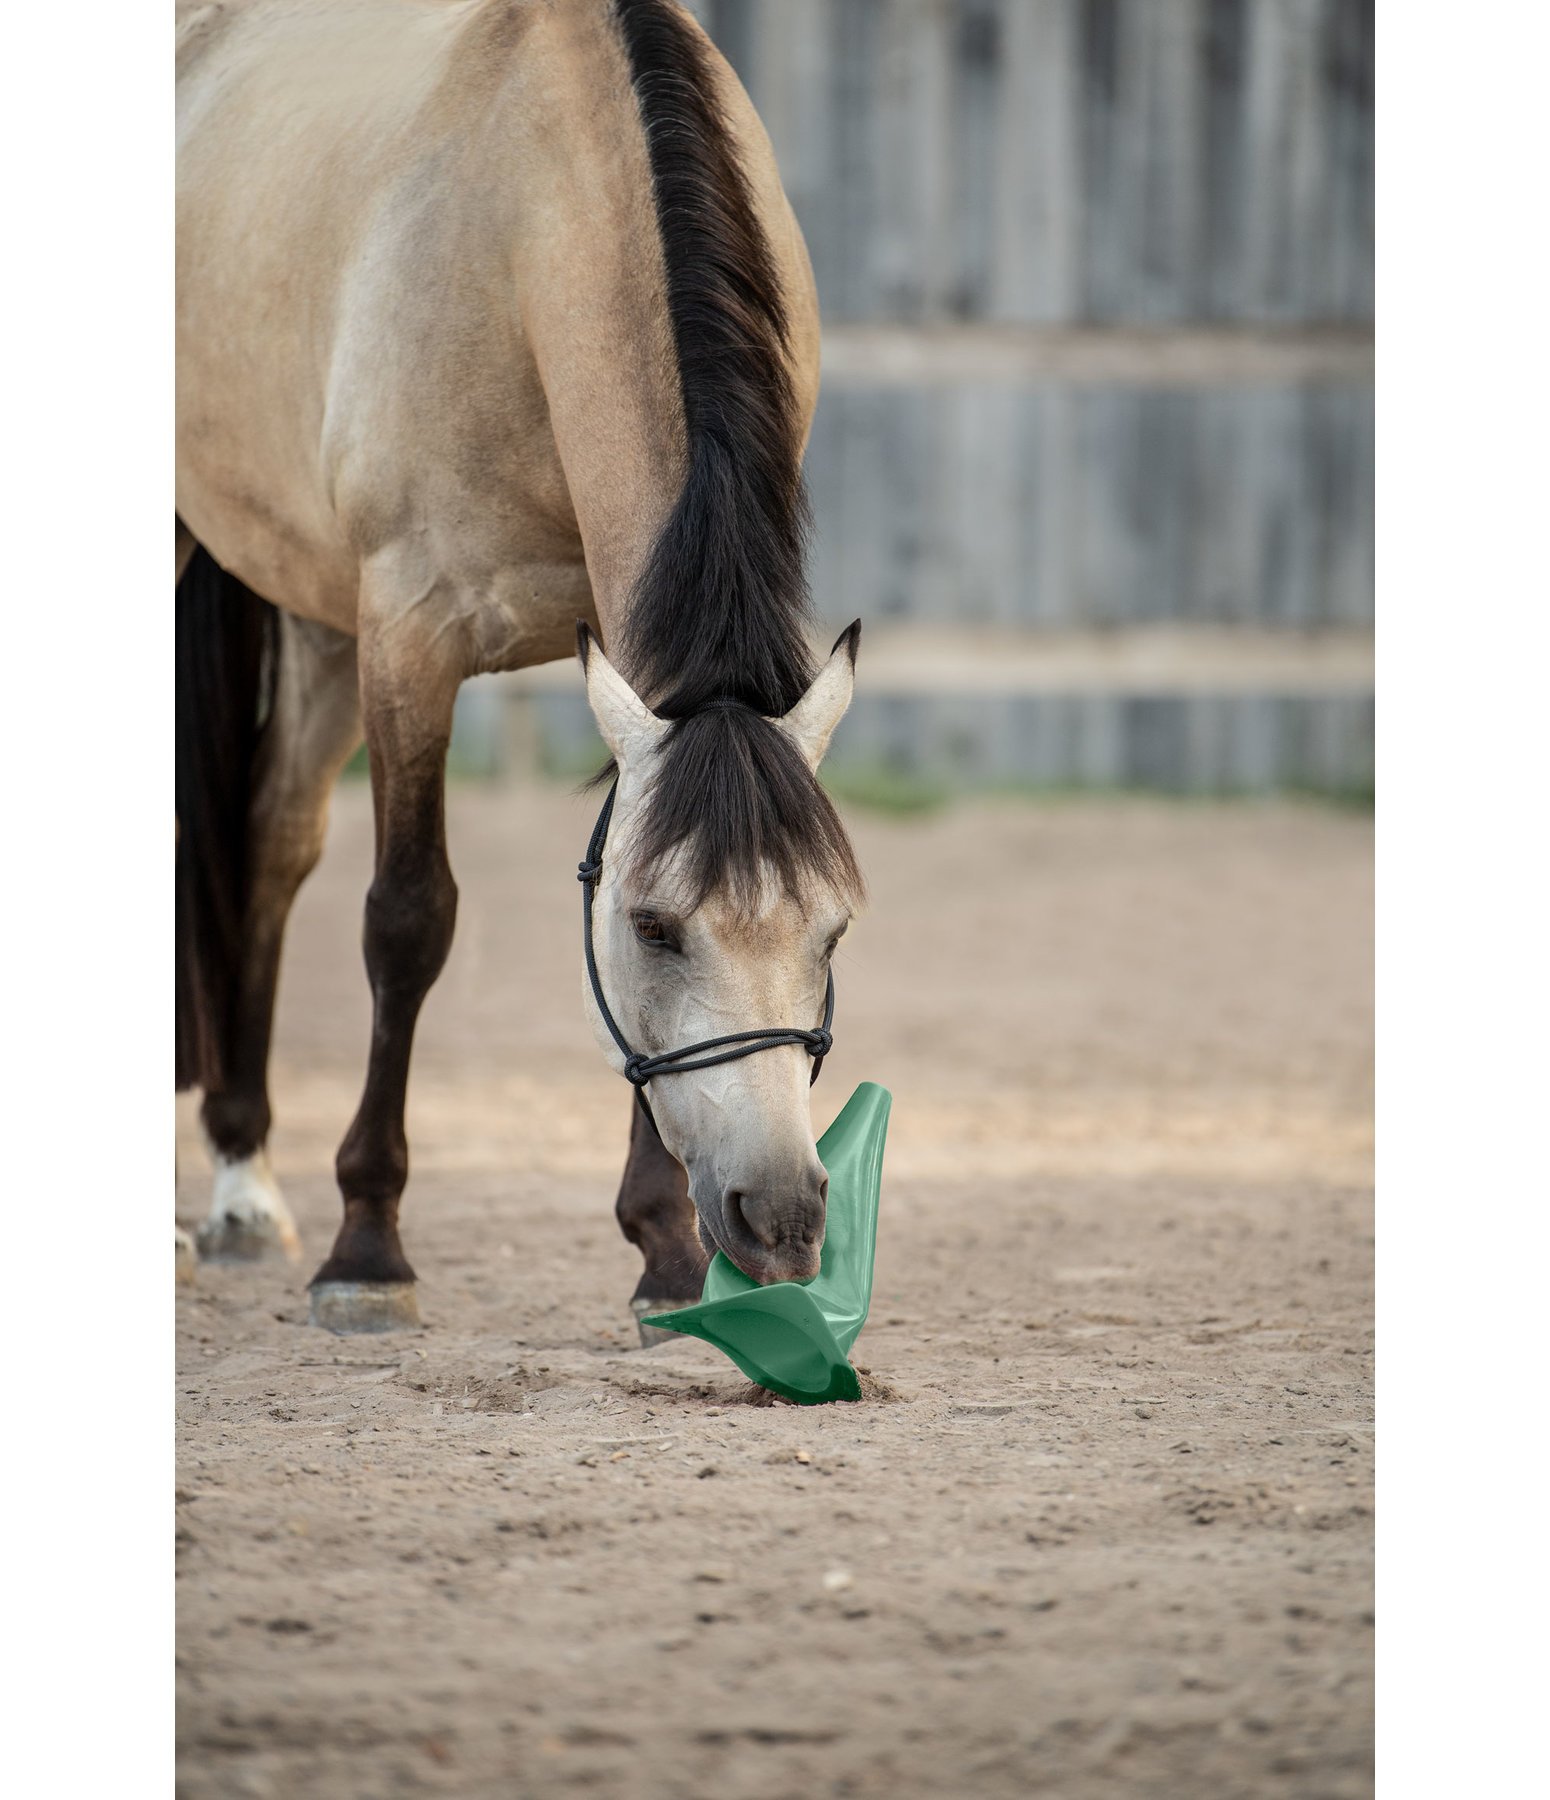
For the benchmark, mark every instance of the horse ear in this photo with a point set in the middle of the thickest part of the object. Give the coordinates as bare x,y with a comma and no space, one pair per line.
629,727
813,719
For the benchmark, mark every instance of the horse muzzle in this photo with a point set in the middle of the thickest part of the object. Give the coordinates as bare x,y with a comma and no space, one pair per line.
773,1230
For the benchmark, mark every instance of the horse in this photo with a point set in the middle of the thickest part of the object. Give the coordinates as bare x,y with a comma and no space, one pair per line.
497,335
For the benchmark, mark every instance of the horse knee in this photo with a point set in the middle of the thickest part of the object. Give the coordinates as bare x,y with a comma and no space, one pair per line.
286,851
656,1214
409,925
653,1197
649,1211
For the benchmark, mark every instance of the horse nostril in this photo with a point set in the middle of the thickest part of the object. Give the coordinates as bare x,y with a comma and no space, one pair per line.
735,1205
814,1231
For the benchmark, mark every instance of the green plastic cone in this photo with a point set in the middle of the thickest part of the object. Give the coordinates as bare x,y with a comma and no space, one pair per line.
793,1337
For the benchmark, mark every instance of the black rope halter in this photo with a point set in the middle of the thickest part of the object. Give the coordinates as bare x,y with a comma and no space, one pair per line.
638,1069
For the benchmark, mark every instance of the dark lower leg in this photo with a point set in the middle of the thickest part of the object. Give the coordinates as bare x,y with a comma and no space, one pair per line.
312,730
236,1115
656,1214
410,913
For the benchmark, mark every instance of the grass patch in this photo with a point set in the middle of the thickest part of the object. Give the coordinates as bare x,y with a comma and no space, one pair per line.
904,793
876,788
571,762
1357,797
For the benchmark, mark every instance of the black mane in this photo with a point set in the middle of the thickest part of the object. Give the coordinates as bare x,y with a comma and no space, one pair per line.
720,609
716,638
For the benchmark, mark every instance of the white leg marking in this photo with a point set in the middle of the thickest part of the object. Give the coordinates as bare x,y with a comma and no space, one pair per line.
187,1259
248,1215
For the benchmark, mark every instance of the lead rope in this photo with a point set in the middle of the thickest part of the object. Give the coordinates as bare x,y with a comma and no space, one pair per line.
638,1069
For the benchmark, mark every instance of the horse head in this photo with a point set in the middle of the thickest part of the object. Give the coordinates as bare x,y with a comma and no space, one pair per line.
726,884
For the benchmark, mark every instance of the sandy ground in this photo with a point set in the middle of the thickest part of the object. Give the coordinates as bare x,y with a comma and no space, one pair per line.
1115,1537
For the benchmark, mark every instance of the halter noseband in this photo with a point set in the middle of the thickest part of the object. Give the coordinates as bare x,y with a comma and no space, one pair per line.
638,1069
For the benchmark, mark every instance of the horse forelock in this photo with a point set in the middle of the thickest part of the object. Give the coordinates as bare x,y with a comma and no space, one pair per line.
733,810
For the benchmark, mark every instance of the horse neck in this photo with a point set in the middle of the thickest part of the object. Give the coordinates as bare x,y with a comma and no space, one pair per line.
593,288
592,296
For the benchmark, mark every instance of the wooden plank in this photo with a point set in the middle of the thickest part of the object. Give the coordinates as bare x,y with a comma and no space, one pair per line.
1048,507
1158,214
1140,180
1035,277
912,274
1346,65
973,46
790,58
1338,446
1222,575
1103,569
1283,156
844,234
980,505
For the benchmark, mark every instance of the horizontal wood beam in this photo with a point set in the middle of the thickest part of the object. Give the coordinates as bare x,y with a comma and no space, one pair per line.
869,356
1143,660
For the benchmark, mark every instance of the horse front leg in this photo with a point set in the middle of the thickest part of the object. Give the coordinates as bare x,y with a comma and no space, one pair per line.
408,687
656,1214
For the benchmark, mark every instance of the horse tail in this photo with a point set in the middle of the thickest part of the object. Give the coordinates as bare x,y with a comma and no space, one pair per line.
227,655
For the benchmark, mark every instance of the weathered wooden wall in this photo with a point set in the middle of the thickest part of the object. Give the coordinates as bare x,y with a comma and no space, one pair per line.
1080,163
1053,505
1096,278
900,746
1058,160
1081,168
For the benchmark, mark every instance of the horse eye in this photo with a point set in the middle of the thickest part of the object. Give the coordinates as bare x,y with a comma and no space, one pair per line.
649,928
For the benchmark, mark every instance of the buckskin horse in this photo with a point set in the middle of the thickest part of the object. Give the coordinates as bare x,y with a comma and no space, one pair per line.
495,329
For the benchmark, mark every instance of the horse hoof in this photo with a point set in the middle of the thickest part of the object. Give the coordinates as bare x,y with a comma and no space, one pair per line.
235,1240
347,1307
188,1261
649,1334
249,1220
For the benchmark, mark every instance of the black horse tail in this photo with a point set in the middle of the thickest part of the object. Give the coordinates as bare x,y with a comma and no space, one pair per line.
227,656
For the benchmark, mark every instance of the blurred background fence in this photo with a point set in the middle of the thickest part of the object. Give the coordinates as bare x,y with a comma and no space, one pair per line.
1093,454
